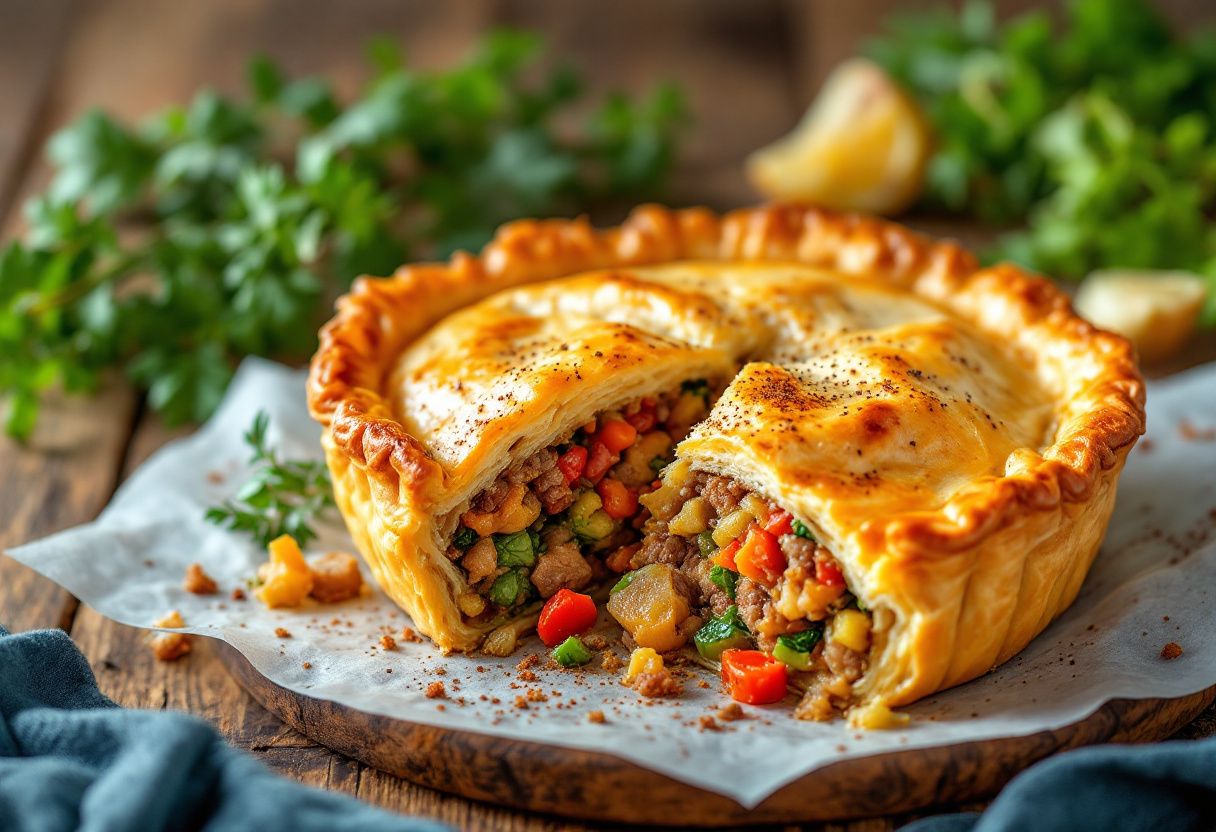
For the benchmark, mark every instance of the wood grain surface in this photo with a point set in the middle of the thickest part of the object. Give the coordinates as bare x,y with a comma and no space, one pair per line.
749,69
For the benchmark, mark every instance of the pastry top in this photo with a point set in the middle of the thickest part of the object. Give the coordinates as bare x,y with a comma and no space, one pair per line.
888,338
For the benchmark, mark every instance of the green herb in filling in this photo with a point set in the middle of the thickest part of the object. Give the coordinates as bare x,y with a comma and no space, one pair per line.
696,386
724,579
572,653
722,632
510,588
801,530
464,538
625,580
795,649
658,464
705,542
588,520
515,549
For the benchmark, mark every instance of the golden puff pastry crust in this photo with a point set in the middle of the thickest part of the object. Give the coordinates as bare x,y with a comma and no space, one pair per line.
953,434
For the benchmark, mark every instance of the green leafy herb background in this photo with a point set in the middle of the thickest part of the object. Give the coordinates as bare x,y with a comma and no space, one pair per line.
170,249
1098,136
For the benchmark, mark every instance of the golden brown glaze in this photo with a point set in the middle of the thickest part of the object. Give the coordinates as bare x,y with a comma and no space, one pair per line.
953,434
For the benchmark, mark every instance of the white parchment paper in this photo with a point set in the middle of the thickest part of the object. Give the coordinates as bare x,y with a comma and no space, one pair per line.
1153,583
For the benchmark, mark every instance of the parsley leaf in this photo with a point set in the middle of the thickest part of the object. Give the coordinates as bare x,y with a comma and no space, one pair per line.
282,496
1099,136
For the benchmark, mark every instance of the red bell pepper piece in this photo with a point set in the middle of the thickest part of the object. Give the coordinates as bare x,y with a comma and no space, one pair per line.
617,435
753,677
760,557
619,501
644,420
600,461
726,555
566,614
779,522
828,573
572,463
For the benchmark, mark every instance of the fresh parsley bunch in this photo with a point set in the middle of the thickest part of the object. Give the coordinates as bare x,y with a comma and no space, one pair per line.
1100,137
170,249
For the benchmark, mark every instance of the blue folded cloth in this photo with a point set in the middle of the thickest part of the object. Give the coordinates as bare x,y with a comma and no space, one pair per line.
72,759
1168,787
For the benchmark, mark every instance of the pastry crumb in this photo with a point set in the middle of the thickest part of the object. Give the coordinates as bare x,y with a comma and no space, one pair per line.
436,690
307,665
198,582
708,723
611,662
170,620
1171,651
521,703
336,577
731,712
388,642
657,685
238,594
169,647
408,634
282,632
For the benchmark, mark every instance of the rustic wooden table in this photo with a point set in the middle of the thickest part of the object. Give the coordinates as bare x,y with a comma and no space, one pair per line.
748,69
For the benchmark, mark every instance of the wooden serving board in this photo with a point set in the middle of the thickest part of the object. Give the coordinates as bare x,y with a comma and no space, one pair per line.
545,778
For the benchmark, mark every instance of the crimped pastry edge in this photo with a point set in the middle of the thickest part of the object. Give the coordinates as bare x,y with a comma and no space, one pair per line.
1102,413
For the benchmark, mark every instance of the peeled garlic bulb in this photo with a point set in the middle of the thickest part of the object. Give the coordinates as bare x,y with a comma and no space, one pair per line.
1156,310
862,146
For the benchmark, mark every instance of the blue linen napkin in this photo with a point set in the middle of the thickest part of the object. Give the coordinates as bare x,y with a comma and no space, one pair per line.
1167,787
72,759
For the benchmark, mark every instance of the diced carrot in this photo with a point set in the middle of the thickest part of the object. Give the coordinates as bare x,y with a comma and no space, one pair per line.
619,501
617,435
726,555
760,557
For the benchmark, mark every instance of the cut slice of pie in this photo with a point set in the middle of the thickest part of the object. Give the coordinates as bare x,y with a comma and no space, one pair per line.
819,436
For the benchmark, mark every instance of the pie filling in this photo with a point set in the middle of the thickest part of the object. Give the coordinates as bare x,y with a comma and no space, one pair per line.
566,516
744,573
697,558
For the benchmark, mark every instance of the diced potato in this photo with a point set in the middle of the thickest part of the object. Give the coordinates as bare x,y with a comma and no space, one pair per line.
665,500
643,660
806,599
519,509
651,608
877,717
693,518
634,468
686,412
1156,311
471,604
863,146
731,526
852,629
754,505
287,580
501,642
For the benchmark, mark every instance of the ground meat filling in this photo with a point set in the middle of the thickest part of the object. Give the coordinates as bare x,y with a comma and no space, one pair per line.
551,520
746,560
